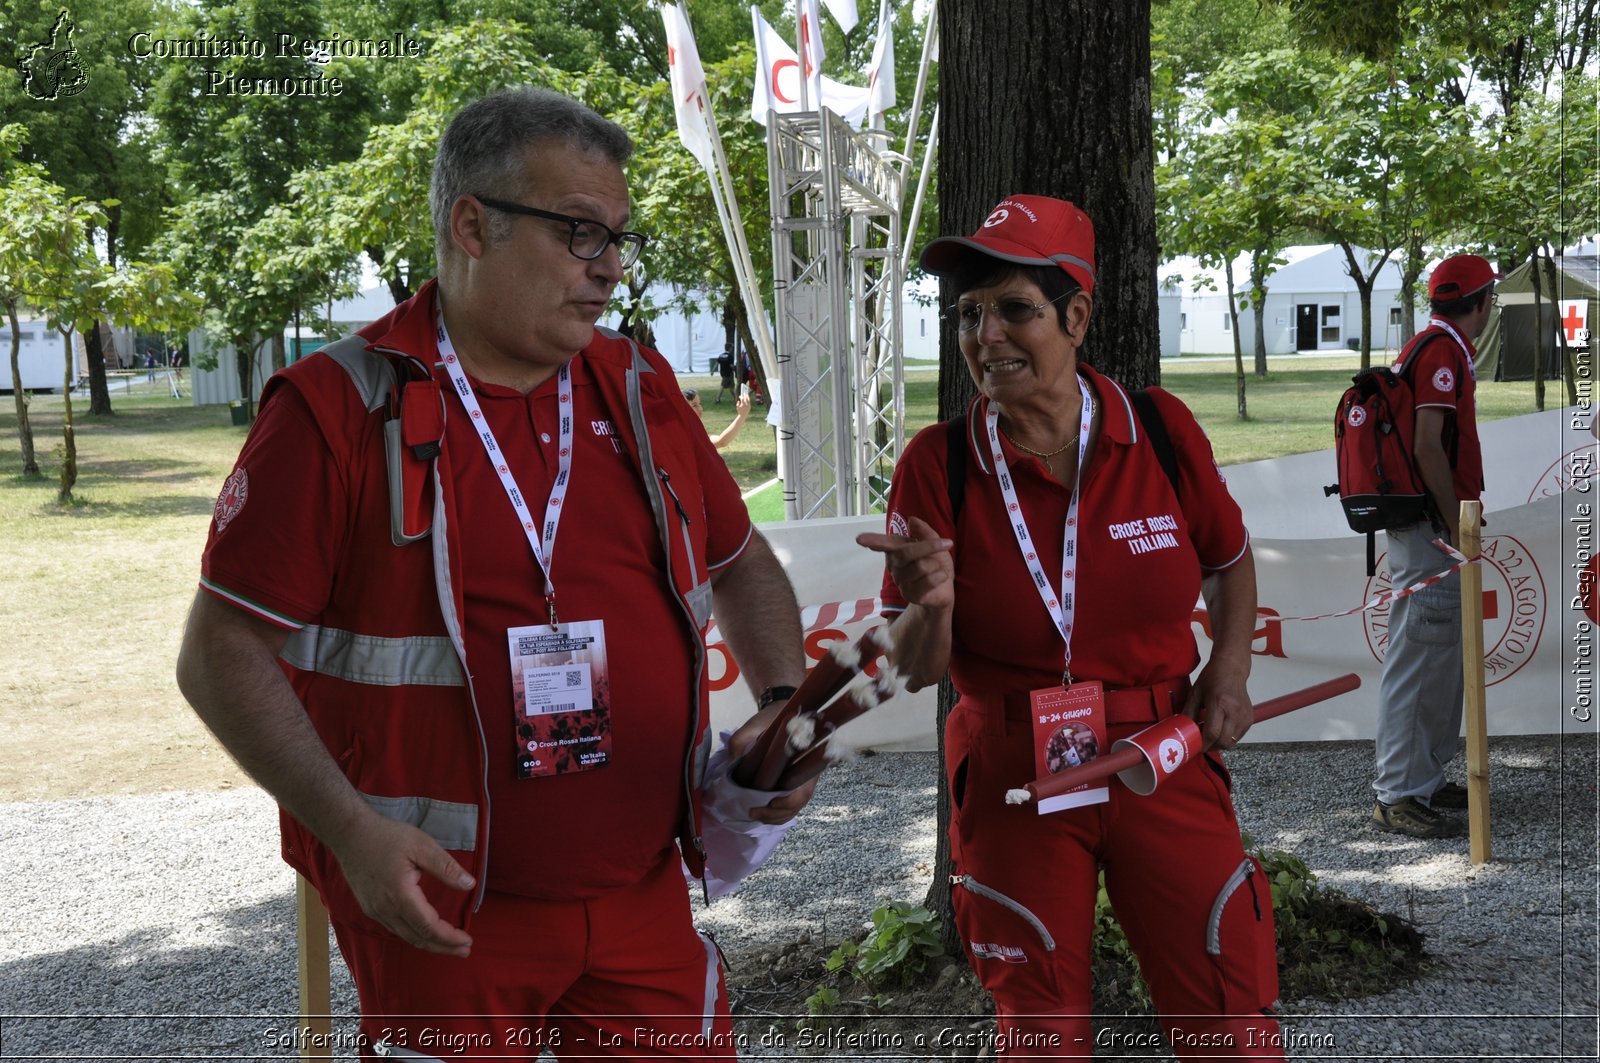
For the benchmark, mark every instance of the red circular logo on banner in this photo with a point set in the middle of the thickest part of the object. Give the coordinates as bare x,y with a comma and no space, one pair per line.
1513,608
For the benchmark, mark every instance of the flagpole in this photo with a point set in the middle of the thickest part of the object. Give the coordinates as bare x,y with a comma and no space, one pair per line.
732,221
733,233
929,43
909,233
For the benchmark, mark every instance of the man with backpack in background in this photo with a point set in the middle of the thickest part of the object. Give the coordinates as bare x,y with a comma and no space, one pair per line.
1420,697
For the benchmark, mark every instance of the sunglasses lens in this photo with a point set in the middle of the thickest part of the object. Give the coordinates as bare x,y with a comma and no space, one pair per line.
1017,312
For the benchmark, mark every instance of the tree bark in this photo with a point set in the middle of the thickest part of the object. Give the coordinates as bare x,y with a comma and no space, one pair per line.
1238,344
30,461
1564,360
69,449
1259,261
95,351
1538,327
1050,97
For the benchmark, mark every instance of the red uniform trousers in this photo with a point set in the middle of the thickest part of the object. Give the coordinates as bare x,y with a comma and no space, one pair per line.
1196,910
623,975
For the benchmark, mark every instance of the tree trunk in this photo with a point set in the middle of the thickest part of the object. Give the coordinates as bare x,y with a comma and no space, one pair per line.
30,462
398,290
1053,97
69,448
1259,262
1538,328
95,354
279,354
1050,97
244,361
1566,362
1238,344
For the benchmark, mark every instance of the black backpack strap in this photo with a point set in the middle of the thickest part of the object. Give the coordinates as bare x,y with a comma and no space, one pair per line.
955,464
1156,429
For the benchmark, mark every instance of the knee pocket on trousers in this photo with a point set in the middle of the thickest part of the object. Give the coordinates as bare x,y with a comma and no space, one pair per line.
1241,941
1008,947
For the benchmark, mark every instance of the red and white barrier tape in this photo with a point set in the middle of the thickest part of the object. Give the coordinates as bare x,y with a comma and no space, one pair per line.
1462,561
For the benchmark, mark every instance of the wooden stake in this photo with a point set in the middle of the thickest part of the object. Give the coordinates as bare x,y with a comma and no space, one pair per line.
316,998
1472,668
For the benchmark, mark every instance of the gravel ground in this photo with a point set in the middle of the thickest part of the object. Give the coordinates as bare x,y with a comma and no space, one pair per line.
161,926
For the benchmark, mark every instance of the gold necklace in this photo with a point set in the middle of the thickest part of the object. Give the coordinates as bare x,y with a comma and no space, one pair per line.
1041,454
1037,453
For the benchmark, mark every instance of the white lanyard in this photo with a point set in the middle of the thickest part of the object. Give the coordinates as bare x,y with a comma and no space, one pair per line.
1466,352
543,545
1062,610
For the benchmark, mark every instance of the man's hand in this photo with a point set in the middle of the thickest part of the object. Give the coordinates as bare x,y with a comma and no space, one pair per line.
1221,705
384,861
779,809
921,566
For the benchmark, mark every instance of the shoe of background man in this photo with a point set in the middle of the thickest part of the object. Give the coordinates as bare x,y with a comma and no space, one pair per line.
1450,795
1412,817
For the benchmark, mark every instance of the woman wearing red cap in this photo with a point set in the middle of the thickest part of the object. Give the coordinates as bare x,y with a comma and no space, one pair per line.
1041,552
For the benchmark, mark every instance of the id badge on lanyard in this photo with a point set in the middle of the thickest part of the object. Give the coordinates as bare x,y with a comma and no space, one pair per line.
561,696
561,692
1069,721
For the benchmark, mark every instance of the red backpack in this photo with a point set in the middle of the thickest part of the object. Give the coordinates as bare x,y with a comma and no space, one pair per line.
1380,486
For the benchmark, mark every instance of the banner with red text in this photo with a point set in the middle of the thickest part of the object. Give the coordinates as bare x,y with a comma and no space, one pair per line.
1538,565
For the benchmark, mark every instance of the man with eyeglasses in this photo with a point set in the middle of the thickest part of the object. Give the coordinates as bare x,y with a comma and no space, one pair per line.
452,616
1420,696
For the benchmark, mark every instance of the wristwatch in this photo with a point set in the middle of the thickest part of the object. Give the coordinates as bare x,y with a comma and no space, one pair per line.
774,694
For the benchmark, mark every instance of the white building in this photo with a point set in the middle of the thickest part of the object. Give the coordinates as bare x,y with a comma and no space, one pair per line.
40,358
1312,305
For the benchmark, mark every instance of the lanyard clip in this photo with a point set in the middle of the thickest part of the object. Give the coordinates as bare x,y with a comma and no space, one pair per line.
1066,674
550,603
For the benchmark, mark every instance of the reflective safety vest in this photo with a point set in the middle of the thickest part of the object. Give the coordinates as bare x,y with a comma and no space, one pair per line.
381,672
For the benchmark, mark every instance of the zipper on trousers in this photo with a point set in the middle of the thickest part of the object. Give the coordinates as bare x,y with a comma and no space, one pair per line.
972,885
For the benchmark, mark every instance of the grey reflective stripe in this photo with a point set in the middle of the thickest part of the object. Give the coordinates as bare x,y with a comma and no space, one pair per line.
1087,267
419,660
389,1051
371,373
710,1010
970,884
1229,888
450,823
452,624
693,768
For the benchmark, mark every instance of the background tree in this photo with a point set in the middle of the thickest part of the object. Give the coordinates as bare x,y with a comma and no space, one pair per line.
67,287
28,202
1087,139
96,143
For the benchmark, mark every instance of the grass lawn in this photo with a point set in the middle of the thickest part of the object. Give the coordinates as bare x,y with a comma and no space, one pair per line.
95,593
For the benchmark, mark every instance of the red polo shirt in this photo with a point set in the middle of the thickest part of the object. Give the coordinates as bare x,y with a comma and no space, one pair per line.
1444,378
567,836
1137,583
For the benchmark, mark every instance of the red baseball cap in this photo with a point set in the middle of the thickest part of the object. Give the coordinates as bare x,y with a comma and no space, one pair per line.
1460,275
1027,230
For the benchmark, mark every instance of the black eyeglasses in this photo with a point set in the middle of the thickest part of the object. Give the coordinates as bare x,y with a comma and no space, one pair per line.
967,316
588,240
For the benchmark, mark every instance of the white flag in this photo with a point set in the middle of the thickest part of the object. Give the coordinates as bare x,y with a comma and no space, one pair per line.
880,74
809,23
778,81
688,85
844,13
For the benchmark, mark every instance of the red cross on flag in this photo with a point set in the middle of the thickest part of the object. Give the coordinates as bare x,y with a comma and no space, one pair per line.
1575,321
688,84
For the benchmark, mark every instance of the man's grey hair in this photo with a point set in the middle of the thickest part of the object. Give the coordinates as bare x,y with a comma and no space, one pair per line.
483,151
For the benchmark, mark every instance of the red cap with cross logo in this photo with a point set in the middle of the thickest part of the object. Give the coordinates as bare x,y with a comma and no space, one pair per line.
1027,230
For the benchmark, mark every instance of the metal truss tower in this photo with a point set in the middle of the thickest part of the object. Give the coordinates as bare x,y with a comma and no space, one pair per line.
837,271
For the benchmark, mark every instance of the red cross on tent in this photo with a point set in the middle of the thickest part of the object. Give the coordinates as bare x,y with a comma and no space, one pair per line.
1574,316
